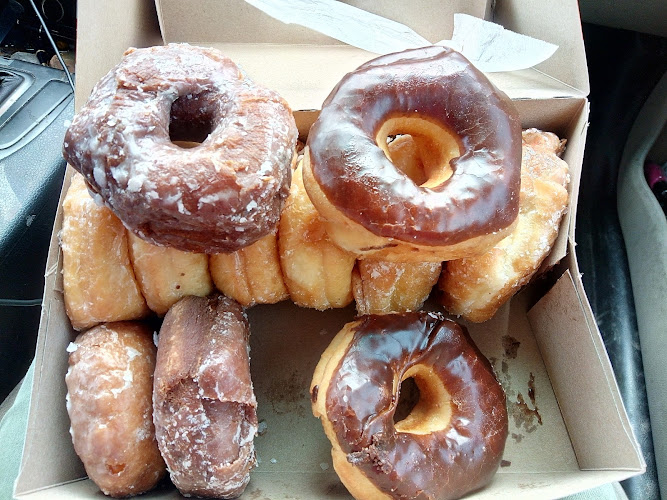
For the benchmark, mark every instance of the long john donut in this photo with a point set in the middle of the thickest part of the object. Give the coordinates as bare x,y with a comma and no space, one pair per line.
452,441
218,196
469,201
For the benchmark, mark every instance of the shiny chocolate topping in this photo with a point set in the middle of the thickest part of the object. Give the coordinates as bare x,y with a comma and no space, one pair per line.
436,84
460,457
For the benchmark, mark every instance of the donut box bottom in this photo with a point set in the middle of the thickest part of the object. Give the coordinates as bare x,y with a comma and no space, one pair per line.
568,428
563,406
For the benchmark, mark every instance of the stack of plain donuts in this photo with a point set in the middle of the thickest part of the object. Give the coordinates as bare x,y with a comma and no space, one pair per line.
192,203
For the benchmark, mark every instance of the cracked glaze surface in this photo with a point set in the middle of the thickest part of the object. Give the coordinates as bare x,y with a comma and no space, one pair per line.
218,196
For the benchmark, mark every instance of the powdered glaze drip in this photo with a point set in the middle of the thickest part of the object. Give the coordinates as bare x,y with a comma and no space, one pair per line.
204,405
109,384
435,84
361,400
219,196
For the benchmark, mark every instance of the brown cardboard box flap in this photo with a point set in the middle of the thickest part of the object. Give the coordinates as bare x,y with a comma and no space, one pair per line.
300,64
585,390
135,25
568,65
325,485
303,65
195,21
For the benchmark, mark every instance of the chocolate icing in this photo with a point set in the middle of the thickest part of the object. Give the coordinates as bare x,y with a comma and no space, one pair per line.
219,196
438,84
204,404
360,405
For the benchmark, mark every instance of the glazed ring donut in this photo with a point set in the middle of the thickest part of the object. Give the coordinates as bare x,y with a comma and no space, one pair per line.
218,196
165,274
452,441
381,287
470,197
318,274
476,287
251,275
109,388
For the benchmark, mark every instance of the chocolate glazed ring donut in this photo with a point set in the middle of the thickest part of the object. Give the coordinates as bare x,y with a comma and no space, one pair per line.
220,195
452,441
468,196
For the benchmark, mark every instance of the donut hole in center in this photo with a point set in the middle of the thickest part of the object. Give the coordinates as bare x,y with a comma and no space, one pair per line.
408,397
191,120
426,407
420,148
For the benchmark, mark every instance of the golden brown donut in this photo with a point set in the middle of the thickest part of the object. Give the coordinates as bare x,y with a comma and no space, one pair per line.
451,442
219,196
415,156
317,273
166,274
381,287
469,199
109,390
251,275
98,279
475,287
204,405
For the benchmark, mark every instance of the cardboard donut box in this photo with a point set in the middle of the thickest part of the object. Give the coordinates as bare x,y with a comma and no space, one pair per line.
568,428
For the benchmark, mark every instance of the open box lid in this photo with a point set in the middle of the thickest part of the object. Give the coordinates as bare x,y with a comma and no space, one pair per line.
303,65
50,468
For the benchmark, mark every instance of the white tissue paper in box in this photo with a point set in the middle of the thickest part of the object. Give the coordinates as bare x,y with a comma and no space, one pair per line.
489,46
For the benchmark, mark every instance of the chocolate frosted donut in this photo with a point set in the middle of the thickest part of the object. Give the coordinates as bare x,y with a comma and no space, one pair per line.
452,441
218,196
469,197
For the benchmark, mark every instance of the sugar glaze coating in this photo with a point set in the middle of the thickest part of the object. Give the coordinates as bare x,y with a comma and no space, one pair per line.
109,386
476,287
218,196
204,405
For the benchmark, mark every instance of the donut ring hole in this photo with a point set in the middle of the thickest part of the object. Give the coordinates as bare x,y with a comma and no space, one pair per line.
434,146
432,411
408,397
191,120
